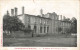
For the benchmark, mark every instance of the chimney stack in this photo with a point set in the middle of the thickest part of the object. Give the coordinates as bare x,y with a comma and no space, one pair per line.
57,17
61,17
22,10
41,12
15,11
7,12
12,12
64,17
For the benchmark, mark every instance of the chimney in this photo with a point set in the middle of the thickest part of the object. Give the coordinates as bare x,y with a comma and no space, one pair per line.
12,12
15,11
41,12
7,12
61,17
64,17
57,17
22,10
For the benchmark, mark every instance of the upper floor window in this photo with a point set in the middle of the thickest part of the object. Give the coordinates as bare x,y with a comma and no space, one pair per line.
40,20
44,22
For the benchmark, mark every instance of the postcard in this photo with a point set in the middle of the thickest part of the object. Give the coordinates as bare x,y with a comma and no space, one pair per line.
39,24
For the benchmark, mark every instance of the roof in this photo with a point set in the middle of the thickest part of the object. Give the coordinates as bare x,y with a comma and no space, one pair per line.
34,16
66,21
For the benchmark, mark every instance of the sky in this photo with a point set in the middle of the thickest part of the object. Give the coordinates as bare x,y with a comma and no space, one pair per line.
67,8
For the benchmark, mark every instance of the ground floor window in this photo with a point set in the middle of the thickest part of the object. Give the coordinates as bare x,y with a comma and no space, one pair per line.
47,29
44,29
29,26
35,29
40,29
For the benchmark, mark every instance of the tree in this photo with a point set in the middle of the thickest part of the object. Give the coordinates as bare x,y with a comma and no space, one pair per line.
6,22
12,23
74,25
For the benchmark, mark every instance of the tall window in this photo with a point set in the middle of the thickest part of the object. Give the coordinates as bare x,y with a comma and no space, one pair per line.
47,29
40,20
28,20
29,26
35,29
44,29
40,29
44,21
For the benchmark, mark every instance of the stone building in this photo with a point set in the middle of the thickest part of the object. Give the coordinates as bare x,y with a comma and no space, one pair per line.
44,23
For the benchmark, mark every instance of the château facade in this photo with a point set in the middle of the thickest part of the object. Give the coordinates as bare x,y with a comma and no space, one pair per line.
43,24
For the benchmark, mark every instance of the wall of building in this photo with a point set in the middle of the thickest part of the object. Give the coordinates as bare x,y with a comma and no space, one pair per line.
49,23
49,26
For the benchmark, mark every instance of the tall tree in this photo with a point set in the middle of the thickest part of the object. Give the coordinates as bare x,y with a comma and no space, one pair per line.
74,26
12,23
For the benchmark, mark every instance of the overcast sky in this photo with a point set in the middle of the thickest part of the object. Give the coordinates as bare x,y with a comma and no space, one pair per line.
68,8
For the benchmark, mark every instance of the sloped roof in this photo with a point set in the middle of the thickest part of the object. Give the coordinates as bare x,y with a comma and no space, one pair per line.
34,16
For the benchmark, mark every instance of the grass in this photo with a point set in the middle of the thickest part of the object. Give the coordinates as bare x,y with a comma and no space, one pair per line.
45,41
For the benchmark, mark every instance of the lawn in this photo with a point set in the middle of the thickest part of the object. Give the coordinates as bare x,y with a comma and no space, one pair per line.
46,41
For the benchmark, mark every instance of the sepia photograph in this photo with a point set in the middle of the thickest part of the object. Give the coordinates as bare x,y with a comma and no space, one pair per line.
39,23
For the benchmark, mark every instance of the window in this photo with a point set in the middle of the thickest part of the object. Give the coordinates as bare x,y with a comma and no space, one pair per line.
29,26
40,20
35,29
44,29
40,29
47,29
